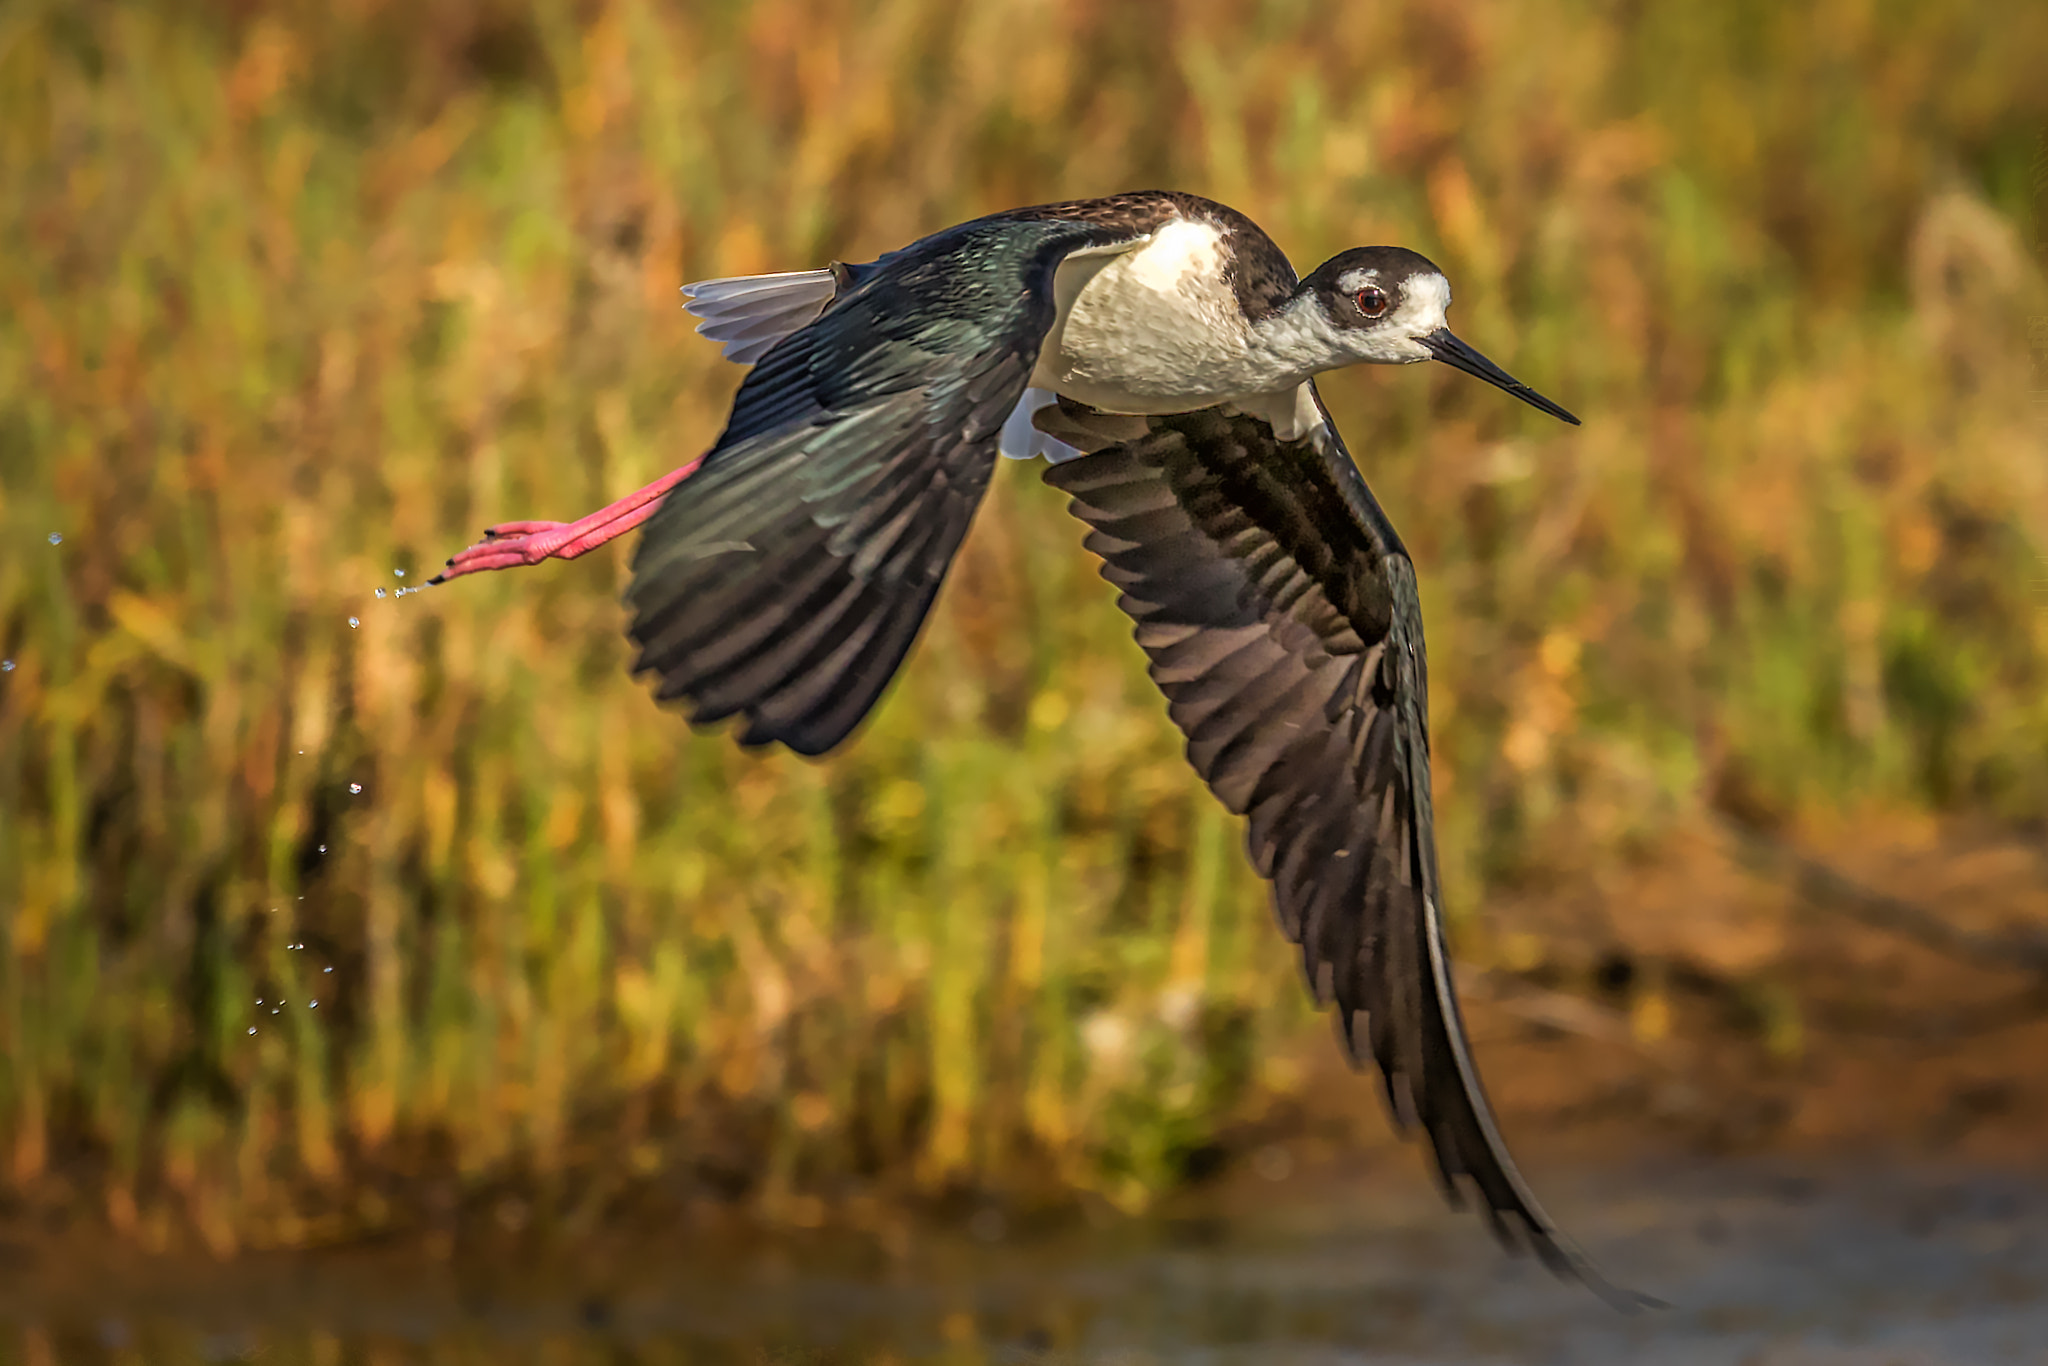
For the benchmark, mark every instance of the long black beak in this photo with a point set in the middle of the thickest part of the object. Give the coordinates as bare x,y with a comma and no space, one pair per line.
1454,353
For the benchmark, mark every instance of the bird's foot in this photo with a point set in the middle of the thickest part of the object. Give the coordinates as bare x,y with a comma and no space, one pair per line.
509,545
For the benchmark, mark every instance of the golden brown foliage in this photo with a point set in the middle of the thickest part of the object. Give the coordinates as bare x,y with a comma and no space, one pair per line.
295,295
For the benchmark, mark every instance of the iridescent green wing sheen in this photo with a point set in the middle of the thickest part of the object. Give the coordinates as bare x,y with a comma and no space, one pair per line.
784,581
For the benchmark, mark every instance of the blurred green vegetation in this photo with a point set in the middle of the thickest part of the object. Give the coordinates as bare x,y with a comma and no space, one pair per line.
297,295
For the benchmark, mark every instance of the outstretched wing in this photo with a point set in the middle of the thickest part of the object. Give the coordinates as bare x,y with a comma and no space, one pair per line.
786,579
1279,611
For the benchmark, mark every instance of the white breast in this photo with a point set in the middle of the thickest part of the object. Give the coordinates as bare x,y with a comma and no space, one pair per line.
1153,328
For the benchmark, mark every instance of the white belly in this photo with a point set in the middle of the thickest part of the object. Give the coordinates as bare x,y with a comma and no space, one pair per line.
1155,329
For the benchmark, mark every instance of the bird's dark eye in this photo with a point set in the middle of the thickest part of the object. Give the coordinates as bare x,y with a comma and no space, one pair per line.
1372,301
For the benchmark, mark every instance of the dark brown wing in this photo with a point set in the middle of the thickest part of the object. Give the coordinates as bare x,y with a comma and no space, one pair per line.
1280,614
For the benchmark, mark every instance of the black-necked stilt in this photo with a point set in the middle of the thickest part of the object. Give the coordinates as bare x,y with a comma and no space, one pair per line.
1160,349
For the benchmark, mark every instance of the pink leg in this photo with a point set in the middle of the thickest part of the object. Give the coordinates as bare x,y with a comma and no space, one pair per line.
511,544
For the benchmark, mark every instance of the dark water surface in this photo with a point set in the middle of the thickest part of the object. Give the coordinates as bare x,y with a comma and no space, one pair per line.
1763,1265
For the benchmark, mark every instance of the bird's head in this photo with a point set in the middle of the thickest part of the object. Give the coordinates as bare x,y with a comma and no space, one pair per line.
1386,305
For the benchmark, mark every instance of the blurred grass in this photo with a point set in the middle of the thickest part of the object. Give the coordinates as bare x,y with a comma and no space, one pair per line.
297,295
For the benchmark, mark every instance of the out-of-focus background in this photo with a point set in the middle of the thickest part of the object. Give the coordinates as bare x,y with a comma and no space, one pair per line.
1741,690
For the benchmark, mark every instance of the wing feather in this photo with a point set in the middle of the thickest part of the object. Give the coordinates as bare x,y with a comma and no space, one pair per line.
1279,611
787,578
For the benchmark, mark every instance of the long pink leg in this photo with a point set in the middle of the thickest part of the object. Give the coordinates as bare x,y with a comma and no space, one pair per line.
511,544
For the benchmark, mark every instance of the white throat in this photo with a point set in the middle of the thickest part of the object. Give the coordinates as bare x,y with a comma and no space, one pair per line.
1301,341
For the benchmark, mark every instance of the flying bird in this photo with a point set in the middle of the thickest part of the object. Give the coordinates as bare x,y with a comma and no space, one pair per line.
1159,350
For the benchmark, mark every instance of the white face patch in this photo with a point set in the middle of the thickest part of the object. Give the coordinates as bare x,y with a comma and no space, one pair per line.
1394,339
1422,311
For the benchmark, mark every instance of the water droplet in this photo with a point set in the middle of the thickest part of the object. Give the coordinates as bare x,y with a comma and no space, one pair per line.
6,666
380,592
56,538
313,1005
323,848
327,969
259,1000
273,1012
252,1029
353,623
399,572
355,787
